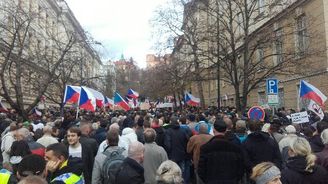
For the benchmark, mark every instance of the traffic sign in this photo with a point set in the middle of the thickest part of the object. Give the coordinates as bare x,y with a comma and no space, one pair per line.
256,113
273,99
272,86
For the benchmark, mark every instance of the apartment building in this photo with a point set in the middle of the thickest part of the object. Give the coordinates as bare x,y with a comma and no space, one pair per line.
288,36
43,43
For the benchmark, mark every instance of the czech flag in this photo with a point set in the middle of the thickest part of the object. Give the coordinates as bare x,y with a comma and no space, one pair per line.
191,100
87,100
100,100
36,112
118,100
308,91
109,102
72,94
133,94
3,108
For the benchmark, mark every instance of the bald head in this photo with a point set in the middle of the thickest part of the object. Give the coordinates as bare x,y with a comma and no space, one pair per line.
136,151
228,123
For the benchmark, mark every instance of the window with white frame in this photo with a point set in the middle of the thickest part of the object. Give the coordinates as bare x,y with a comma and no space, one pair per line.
301,36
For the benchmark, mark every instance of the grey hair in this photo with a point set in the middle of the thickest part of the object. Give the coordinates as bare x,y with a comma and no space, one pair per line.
47,129
135,149
169,173
324,136
24,132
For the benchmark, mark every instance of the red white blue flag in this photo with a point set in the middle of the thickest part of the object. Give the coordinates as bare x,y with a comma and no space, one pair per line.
72,94
100,100
308,91
118,100
87,100
109,102
191,100
133,94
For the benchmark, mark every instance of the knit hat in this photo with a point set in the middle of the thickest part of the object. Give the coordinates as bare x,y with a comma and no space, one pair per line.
268,175
290,129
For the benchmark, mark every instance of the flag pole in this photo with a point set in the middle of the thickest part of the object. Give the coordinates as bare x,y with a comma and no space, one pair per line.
78,105
298,96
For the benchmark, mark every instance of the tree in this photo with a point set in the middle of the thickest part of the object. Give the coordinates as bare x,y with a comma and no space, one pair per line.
248,36
179,21
31,54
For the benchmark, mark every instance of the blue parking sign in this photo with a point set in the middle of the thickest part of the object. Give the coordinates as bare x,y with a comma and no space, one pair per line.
272,86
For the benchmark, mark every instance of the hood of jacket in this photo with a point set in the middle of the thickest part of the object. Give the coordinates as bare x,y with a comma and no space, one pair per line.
127,131
298,164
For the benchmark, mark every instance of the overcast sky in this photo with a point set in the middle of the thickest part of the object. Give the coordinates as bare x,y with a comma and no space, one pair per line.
122,26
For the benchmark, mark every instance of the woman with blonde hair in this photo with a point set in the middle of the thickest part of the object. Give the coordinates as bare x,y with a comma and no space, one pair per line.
301,167
169,173
266,173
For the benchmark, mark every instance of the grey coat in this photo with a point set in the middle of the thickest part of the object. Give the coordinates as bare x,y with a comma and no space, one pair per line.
97,166
153,157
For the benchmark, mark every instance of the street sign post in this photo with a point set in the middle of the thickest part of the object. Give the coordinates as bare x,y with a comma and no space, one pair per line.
272,91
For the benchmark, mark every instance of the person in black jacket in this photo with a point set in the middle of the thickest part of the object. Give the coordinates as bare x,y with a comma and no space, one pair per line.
159,132
301,167
131,170
260,147
221,160
175,144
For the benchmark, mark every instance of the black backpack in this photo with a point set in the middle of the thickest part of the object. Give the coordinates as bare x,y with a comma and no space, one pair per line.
112,165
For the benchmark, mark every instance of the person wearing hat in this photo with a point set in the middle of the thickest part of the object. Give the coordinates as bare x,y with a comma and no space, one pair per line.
266,173
220,154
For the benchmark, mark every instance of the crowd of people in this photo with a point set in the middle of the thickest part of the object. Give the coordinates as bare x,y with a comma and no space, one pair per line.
168,146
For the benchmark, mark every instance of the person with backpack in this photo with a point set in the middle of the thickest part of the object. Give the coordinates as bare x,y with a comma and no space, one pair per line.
107,163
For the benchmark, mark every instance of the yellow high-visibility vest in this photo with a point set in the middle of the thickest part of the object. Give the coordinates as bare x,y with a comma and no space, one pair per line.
69,178
4,176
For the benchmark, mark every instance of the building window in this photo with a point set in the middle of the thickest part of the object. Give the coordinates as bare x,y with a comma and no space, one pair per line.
260,59
262,98
301,36
278,46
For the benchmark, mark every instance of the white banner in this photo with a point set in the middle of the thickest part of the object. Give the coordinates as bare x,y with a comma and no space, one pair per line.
301,117
316,109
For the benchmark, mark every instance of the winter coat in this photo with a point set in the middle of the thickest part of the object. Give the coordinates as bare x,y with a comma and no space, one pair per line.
139,132
295,173
221,161
260,147
160,134
100,135
194,145
322,157
316,144
131,172
97,178
175,142
153,157
7,141
128,136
